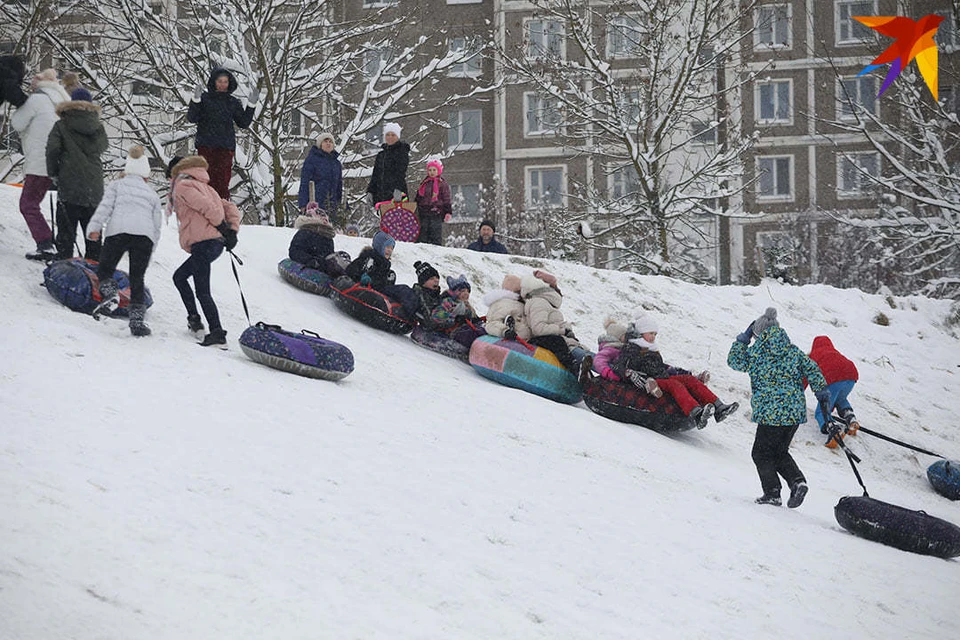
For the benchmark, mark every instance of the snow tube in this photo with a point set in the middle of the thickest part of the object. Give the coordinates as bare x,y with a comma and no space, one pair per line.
304,353
944,476
399,219
74,284
513,364
624,402
372,308
304,278
440,342
898,527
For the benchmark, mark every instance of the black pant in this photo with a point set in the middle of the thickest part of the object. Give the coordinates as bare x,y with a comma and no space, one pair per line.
771,454
431,230
139,249
197,266
558,346
68,216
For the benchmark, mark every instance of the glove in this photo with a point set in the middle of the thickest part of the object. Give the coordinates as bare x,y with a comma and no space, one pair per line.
510,334
568,333
460,309
397,194
230,239
447,218
746,336
365,280
823,399
253,96
704,377
610,375
197,92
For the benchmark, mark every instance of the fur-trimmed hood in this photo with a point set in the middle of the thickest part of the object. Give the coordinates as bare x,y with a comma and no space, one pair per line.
76,105
79,117
499,294
52,89
316,225
190,162
212,81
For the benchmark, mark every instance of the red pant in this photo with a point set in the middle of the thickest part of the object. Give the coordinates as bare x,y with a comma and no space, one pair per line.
687,391
221,168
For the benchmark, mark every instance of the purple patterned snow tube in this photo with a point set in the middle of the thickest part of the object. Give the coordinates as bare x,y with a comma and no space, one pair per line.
305,354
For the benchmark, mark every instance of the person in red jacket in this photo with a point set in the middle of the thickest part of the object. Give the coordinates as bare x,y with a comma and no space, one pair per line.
841,375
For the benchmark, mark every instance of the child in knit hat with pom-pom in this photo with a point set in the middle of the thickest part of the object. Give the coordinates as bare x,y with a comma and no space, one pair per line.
505,317
610,344
129,218
428,293
640,362
433,204
455,315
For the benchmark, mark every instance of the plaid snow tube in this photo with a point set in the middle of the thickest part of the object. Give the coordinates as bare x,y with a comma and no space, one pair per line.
623,402
304,278
515,364
74,284
372,308
944,477
304,353
898,527
441,343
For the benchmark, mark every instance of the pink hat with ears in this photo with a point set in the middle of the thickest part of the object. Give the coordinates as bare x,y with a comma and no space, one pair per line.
438,165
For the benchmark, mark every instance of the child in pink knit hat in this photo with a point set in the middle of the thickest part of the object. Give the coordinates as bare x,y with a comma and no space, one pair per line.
433,204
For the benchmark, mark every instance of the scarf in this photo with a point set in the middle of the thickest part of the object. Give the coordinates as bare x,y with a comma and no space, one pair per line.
640,342
436,187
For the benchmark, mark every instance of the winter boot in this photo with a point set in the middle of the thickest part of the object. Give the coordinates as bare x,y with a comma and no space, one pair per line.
721,411
215,337
511,332
585,365
46,251
770,498
700,415
110,299
797,493
850,419
137,326
194,323
832,442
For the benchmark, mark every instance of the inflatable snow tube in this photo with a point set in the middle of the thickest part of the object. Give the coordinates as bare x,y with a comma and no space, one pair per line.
944,476
441,343
372,308
898,527
74,284
513,364
624,402
305,353
304,278
400,220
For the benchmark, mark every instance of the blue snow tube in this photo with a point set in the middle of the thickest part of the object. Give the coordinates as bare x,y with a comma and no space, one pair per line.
304,353
440,342
944,477
74,284
898,527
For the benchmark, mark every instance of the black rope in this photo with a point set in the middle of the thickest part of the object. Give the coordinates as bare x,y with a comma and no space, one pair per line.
902,444
235,260
851,458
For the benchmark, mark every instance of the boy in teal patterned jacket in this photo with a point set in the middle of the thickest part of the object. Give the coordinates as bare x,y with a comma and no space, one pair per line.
777,370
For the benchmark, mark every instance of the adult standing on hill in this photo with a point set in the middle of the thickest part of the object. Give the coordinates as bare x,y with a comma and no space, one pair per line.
322,167
390,167
33,121
216,112
777,370
74,148
12,72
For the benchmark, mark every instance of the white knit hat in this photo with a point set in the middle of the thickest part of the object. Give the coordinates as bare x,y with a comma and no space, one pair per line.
644,323
326,135
392,127
137,163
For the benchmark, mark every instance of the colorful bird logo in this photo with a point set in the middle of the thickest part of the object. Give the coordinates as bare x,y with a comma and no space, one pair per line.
913,40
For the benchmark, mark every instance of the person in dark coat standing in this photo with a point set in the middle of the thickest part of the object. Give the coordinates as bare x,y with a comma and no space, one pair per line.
486,242
74,149
390,167
433,204
215,112
12,72
322,167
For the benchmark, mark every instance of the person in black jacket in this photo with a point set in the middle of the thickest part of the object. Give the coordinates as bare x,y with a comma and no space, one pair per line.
390,167
215,113
12,72
486,242
428,293
372,267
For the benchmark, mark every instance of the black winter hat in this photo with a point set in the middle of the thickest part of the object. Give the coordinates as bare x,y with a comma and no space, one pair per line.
425,271
170,165
487,222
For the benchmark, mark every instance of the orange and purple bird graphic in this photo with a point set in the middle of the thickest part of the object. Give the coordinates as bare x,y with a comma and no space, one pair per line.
914,39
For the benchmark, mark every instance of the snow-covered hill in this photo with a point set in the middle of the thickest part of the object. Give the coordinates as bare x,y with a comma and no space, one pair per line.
153,489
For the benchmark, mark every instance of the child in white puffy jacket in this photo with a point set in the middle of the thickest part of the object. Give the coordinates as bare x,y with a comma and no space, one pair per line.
505,316
542,301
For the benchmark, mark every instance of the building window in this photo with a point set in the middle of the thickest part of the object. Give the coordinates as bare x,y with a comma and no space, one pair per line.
466,202
629,106
624,34
292,123
469,68
622,182
950,100
375,62
772,27
545,186
854,172
542,115
466,129
856,94
374,135
773,102
146,88
848,30
704,131
544,38
775,177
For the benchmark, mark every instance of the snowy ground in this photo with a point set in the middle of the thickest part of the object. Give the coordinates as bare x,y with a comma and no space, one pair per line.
153,489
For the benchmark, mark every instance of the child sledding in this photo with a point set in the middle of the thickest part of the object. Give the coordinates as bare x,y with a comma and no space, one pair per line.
312,261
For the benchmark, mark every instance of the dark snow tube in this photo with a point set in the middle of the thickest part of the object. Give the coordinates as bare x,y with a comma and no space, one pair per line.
304,278
624,402
515,365
74,284
898,527
305,353
944,476
372,308
441,343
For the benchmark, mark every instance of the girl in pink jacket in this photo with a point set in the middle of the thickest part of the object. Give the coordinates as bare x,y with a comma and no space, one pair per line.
207,225
610,345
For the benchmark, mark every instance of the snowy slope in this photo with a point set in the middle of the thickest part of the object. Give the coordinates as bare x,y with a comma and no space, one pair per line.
152,489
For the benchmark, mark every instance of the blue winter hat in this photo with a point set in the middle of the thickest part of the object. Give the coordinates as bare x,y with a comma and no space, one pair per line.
460,282
382,240
81,94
